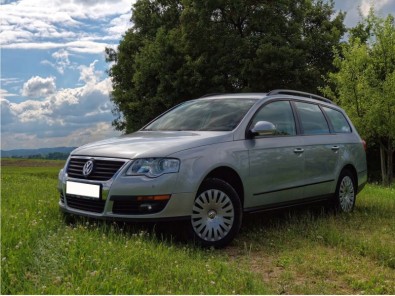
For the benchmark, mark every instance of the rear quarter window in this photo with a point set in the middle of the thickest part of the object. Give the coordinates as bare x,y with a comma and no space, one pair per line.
339,122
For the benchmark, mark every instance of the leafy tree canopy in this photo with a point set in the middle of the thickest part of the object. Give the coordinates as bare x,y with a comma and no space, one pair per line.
181,49
364,84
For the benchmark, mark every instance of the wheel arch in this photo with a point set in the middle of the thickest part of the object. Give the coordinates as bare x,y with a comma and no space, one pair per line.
230,176
351,168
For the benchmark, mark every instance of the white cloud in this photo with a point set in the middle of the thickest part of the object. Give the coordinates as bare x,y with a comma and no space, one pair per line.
62,61
10,81
88,74
62,56
4,94
46,24
69,117
366,5
37,87
357,8
65,31
119,25
68,106
75,46
7,116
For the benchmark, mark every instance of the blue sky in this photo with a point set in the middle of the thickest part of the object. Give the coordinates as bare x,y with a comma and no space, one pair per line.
54,87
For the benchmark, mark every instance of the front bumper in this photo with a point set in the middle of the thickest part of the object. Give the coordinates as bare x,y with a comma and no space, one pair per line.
178,207
118,199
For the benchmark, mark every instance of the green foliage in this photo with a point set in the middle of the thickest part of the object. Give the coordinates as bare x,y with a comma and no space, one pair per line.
182,49
365,84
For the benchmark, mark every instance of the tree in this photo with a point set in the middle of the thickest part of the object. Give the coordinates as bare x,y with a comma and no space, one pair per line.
365,84
182,49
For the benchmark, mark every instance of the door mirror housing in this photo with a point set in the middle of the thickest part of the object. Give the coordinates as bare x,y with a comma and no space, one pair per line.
263,128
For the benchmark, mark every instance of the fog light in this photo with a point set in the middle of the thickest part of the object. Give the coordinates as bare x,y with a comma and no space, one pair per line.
146,207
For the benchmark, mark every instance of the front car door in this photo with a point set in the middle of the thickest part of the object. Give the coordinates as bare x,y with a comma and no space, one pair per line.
276,161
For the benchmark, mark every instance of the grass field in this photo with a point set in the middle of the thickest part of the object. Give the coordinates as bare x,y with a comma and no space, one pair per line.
297,251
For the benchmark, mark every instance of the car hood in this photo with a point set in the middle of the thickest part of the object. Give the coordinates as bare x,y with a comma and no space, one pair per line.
151,144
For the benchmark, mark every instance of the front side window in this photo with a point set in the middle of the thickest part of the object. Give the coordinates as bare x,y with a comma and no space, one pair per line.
312,120
280,114
203,115
339,122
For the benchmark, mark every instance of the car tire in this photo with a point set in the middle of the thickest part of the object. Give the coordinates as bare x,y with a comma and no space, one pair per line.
216,214
346,192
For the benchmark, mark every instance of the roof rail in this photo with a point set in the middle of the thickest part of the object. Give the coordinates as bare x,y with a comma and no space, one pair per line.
299,93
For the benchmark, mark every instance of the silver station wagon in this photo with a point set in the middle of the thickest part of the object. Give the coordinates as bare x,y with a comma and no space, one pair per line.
212,159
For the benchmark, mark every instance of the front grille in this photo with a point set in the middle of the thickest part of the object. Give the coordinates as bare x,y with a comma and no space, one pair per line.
85,204
103,169
132,206
62,198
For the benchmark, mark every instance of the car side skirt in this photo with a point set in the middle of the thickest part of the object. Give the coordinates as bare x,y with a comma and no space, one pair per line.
288,204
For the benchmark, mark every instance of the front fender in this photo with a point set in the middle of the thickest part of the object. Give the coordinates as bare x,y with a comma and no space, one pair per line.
197,163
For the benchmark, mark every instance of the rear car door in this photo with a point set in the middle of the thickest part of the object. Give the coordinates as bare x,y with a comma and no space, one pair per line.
321,153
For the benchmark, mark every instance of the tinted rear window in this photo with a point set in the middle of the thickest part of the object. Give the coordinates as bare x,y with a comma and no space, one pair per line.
312,119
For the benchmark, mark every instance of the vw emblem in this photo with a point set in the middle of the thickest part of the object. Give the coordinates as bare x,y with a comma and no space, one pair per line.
88,168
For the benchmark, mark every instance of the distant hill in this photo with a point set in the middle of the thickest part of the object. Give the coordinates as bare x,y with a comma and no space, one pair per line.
47,153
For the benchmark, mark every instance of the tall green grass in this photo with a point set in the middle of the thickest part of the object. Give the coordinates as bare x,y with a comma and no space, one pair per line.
44,254
305,250
316,251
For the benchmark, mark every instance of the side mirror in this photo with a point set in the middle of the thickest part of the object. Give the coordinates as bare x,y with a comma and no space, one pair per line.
263,128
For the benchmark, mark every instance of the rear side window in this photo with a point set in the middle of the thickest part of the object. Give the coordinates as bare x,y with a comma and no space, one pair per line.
312,119
280,114
339,122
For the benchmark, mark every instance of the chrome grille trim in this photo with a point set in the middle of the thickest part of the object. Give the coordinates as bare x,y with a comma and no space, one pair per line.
104,168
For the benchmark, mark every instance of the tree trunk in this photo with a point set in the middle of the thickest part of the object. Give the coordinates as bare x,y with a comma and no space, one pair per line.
390,164
383,158
387,163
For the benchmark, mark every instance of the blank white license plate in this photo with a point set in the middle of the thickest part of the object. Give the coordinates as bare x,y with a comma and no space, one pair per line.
82,189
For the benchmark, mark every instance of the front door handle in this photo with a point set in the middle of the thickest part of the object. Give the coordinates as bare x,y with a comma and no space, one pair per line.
298,150
335,148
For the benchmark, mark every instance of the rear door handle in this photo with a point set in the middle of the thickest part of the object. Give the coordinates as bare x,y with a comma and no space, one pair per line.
335,148
298,150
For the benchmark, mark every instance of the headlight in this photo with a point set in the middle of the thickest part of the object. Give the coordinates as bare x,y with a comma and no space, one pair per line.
153,167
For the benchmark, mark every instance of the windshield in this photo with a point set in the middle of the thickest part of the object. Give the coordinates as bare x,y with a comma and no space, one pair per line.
203,115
